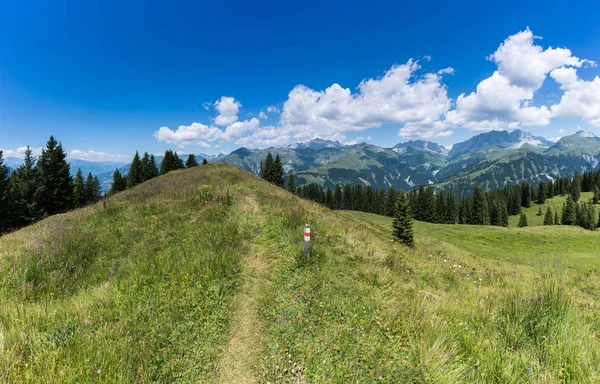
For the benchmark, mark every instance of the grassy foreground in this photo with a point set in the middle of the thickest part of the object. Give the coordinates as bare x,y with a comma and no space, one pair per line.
169,285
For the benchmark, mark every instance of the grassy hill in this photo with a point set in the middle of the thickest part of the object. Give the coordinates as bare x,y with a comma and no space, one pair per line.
179,281
556,203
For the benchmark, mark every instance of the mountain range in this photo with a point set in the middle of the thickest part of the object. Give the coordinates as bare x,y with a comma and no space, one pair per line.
491,160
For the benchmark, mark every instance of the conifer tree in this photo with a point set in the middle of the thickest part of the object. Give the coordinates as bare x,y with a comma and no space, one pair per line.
5,203
204,161
79,196
548,217
382,202
391,201
177,162
525,195
480,208
569,216
451,209
145,167
191,161
55,184
503,215
136,171
575,188
540,213
596,198
152,170
556,219
291,183
119,182
337,197
267,170
541,193
523,220
277,172
347,196
440,208
403,221
93,191
24,185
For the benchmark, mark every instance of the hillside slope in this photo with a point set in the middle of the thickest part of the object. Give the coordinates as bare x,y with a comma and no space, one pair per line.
173,283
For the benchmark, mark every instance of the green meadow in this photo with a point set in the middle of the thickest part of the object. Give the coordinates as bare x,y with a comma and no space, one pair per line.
199,276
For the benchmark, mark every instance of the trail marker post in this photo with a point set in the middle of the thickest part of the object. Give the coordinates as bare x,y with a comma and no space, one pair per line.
306,240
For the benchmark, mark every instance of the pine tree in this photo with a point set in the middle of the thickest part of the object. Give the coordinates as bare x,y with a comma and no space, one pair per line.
24,185
291,183
569,215
79,197
403,221
548,217
177,162
191,161
277,172
337,197
556,219
204,162
541,193
451,209
145,167
440,208
347,197
523,220
152,170
167,164
525,195
55,184
119,182
503,214
480,208
540,213
576,188
267,170
93,192
136,171
5,203
391,201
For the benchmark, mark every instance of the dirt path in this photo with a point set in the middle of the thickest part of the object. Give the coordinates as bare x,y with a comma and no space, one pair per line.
239,360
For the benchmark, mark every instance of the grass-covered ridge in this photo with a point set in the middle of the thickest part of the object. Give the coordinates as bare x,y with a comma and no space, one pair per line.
169,285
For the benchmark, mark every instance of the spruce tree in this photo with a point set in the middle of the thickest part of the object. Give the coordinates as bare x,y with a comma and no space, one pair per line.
204,161
480,208
523,220
391,201
347,196
382,202
541,193
403,232
525,195
93,192
503,214
145,167
177,162
337,197
55,184
576,188
152,170
136,171
5,202
540,213
277,172
556,219
119,182
569,215
267,170
191,161
79,196
451,209
291,183
24,185
167,164
548,217
596,198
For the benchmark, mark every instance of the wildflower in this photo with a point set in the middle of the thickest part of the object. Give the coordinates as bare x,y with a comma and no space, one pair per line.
445,260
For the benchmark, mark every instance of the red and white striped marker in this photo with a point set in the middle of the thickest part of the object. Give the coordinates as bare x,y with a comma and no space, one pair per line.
306,233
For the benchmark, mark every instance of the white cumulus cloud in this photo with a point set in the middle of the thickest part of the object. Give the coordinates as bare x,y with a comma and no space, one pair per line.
580,98
228,109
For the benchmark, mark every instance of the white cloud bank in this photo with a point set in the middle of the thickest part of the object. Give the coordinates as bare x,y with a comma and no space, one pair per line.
90,155
417,102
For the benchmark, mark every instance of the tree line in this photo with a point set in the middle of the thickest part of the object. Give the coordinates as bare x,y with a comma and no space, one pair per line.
437,206
144,168
42,187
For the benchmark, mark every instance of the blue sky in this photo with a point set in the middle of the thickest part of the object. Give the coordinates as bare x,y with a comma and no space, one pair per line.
110,77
